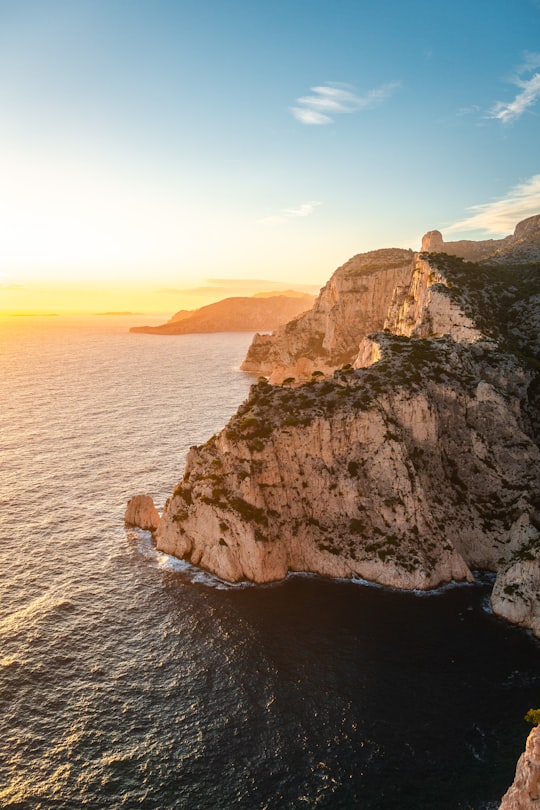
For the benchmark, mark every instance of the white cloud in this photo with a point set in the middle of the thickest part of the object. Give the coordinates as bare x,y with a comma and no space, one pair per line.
507,111
332,98
501,216
310,116
303,210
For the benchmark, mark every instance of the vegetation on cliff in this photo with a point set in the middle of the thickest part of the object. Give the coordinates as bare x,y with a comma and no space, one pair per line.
410,469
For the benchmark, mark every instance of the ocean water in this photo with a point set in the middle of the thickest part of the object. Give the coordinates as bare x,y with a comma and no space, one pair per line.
131,680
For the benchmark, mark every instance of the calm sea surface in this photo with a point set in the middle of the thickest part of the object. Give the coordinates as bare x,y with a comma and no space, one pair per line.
130,680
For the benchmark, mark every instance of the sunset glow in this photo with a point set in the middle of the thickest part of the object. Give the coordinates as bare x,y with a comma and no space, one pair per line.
148,148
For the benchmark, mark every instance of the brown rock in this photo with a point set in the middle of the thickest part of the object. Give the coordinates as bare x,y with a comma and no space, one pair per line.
141,512
352,304
360,476
524,793
412,469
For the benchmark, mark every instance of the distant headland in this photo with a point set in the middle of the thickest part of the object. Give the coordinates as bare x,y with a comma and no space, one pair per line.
263,312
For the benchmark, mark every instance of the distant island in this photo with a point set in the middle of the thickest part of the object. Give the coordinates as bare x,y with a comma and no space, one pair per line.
262,312
120,312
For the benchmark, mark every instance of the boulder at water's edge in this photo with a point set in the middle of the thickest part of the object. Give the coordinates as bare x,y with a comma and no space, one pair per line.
141,512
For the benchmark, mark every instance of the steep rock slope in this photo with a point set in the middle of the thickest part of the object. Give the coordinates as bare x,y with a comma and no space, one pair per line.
352,304
407,473
233,315
524,793
365,295
411,469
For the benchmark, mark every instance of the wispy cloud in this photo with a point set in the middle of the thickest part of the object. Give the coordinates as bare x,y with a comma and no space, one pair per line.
304,210
334,98
508,111
501,216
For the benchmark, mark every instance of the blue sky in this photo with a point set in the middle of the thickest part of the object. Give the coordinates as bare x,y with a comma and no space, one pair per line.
206,143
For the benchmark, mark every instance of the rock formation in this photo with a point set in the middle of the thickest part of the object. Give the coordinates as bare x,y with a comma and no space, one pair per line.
522,245
516,595
409,458
350,306
524,793
359,297
141,512
234,315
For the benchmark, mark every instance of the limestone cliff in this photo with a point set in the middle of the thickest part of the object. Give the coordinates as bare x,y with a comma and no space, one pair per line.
407,473
392,289
141,512
522,245
352,304
412,462
524,793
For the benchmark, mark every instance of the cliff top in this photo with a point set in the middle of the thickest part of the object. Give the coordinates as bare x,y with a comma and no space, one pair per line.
522,245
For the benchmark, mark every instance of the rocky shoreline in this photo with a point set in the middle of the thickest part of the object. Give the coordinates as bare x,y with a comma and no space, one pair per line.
409,464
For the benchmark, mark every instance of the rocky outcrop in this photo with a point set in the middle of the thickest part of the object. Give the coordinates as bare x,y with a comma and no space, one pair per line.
141,512
424,308
516,594
234,315
524,793
351,305
409,458
374,424
521,246
408,473
433,242
392,289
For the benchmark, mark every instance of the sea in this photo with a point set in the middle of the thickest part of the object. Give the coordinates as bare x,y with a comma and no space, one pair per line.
129,679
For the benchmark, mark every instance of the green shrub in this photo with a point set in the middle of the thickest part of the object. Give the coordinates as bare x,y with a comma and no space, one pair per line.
533,717
185,494
249,511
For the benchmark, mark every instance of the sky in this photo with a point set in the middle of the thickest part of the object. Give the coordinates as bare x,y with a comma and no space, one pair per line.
157,155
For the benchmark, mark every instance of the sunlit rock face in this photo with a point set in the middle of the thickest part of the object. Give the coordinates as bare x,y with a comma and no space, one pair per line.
141,512
382,288
524,793
521,246
408,473
351,305
411,457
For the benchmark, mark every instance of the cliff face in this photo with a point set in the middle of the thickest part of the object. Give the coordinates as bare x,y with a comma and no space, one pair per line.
524,793
521,246
351,305
408,473
388,289
414,463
